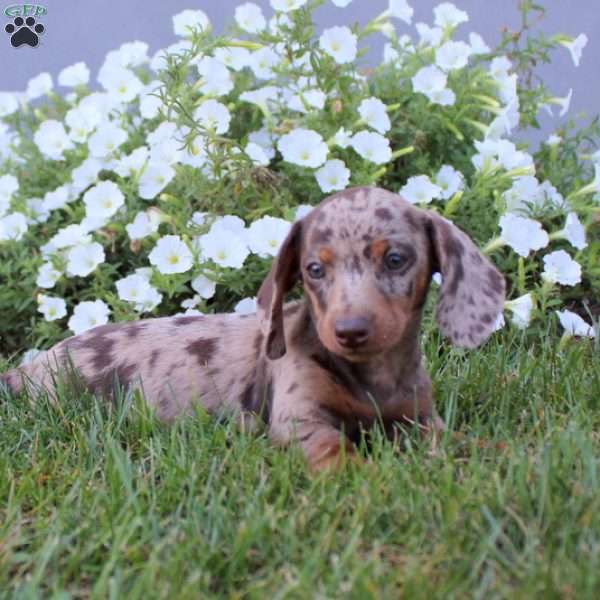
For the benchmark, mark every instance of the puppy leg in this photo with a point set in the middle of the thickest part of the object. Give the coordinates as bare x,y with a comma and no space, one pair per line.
325,447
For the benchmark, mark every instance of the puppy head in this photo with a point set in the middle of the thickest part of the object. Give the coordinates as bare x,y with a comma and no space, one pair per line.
365,257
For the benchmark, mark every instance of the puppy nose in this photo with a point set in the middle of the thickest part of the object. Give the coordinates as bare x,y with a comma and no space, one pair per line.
353,332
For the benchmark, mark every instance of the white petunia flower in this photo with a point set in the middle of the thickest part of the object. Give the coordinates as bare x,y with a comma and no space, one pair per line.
29,356
373,112
204,286
9,184
573,324
429,80
13,227
287,5
150,101
499,323
333,175
52,139
420,190
301,211
499,67
74,75
234,58
559,267
401,10
121,83
133,288
564,103
342,138
478,45
58,198
573,232
36,211
303,147
106,139
230,223
372,146
224,248
85,174
145,224
103,200
522,235
87,315
8,103
51,307
214,116
266,235
185,22
257,154
263,61
130,165
69,236
250,18
524,193
81,123
447,15
215,77
576,46
47,276
171,255
521,309
155,178
83,259
452,55
450,181
39,86
429,36
553,140
246,306
340,43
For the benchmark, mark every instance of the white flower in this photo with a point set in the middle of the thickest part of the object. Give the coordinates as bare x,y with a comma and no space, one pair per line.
573,324
499,323
246,306
230,223
372,146
450,181
452,55
155,177
150,102
39,86
342,138
13,226
58,198
52,139
553,140
565,103
171,255
51,307
85,174
234,58
87,315
8,103
420,190
447,15
257,154
204,286
69,236
524,193
36,211
287,5
262,62
144,224
303,147
226,249
47,276
373,112
575,47
9,184
133,288
185,22
106,139
522,235
29,356
499,67
103,200
74,75
521,310
83,259
266,235
301,211
559,267
215,78
401,10
213,115
340,43
250,17
81,123
573,232
131,164
429,80
333,175
121,83
478,45
429,36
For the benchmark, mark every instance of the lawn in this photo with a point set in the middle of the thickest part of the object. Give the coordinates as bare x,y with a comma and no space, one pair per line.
106,502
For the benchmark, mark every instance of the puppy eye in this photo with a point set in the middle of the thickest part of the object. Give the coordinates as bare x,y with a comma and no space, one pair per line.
394,260
315,270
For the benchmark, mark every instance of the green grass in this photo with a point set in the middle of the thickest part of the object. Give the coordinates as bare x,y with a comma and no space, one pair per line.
108,503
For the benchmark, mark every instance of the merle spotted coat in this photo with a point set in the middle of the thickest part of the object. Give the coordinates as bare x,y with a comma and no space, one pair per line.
319,369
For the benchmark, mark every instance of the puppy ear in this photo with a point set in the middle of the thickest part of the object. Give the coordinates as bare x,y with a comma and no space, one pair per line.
284,273
472,291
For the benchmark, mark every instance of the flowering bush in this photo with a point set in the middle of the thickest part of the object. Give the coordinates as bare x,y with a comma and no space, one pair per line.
171,189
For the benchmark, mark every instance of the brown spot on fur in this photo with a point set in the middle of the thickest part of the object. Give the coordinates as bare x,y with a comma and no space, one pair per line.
203,349
384,213
106,382
188,320
257,344
291,309
411,220
495,280
326,255
321,236
379,248
294,386
132,330
153,358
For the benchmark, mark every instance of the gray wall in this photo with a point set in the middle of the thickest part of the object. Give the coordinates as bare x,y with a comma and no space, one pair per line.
86,29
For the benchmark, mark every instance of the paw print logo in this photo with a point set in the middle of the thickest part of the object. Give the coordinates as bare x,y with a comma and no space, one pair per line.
24,31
